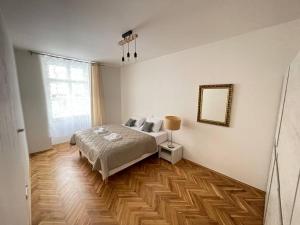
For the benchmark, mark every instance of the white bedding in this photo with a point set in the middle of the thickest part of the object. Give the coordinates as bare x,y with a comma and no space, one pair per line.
160,136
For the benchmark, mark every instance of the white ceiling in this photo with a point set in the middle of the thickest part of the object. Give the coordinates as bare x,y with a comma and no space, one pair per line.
91,29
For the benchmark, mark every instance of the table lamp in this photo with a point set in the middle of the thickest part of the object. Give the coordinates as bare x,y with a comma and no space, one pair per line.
172,123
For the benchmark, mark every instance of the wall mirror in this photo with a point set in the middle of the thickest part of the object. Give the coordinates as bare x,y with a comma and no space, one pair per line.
214,105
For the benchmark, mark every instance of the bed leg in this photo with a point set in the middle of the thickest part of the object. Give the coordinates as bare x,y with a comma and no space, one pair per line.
80,154
105,180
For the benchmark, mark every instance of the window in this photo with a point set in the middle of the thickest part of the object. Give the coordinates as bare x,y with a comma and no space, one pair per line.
67,88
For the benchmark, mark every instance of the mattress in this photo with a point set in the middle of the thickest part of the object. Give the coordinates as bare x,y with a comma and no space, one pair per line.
160,137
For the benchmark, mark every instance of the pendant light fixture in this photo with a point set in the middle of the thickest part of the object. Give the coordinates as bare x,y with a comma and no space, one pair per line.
135,54
128,54
128,37
123,58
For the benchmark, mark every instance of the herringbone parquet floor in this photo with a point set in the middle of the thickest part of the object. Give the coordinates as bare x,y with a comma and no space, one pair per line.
66,191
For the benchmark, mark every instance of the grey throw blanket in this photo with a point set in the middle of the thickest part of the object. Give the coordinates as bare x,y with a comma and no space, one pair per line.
107,155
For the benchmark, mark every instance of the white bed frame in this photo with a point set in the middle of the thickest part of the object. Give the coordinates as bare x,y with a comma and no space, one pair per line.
124,166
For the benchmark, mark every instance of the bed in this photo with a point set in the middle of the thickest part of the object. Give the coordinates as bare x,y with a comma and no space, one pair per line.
110,157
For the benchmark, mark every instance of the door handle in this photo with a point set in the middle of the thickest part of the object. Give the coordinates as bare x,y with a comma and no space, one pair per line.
20,130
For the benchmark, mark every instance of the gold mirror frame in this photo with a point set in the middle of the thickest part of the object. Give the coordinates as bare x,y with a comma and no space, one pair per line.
228,107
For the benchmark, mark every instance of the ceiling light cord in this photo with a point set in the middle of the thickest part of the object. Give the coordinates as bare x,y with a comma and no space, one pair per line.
123,58
135,54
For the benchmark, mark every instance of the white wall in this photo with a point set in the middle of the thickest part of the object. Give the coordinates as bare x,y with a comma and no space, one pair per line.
33,100
111,93
254,62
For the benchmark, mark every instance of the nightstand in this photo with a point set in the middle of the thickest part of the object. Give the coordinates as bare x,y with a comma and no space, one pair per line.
172,155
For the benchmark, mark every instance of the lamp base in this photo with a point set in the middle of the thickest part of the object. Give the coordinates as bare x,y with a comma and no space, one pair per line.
171,145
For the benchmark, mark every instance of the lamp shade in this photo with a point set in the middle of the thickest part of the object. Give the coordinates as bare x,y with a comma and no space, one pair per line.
172,122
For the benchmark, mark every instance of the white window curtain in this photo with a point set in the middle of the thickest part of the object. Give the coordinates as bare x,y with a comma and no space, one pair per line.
68,96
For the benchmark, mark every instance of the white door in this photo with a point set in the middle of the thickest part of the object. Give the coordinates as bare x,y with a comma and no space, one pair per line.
289,143
14,162
273,209
269,183
296,212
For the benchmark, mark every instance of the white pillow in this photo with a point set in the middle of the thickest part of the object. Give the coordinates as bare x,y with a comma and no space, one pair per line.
139,121
157,123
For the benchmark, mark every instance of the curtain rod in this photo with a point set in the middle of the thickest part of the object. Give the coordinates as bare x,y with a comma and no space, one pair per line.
59,57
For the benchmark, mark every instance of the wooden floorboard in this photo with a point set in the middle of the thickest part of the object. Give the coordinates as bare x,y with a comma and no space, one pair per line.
65,190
